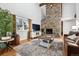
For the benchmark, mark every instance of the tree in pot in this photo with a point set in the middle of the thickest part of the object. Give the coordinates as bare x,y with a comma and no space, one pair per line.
6,21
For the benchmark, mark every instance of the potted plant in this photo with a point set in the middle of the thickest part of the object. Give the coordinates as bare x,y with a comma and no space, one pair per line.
5,22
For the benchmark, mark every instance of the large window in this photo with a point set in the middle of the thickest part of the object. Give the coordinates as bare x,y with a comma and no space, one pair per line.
21,23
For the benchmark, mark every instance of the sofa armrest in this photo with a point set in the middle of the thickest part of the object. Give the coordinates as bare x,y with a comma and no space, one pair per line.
71,41
72,44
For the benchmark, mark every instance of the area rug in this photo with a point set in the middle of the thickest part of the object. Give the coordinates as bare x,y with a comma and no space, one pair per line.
35,50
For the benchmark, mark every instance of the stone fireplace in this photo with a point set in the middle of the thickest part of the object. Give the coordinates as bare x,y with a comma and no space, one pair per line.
52,23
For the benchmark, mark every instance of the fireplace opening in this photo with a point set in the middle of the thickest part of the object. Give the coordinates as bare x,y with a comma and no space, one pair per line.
49,31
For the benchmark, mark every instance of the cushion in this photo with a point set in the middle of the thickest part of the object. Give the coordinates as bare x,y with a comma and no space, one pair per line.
72,37
72,44
6,38
71,41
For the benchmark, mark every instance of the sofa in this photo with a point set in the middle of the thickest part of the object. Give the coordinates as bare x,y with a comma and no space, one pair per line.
71,45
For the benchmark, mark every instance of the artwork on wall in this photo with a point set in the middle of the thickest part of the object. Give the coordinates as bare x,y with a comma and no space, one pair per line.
21,23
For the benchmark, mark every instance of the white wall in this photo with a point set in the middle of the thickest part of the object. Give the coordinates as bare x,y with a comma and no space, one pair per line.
27,10
77,16
43,11
77,9
67,26
77,23
68,11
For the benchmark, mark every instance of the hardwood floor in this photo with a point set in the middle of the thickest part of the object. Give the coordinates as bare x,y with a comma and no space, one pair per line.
12,52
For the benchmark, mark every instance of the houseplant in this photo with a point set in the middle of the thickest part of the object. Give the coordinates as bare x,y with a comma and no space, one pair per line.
5,22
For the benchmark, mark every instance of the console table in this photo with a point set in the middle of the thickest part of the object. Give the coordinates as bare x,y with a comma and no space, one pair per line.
6,40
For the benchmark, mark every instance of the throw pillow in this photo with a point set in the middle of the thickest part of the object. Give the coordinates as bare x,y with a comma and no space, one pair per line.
72,37
71,41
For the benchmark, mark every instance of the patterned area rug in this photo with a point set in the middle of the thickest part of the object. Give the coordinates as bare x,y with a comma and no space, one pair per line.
35,49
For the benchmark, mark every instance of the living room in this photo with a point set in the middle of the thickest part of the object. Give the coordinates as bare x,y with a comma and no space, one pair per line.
37,28
29,18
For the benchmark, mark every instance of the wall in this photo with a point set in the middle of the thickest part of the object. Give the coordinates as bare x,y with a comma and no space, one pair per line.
77,10
68,12
27,10
43,11
67,26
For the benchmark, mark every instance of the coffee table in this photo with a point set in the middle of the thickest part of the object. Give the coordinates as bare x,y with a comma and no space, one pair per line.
46,43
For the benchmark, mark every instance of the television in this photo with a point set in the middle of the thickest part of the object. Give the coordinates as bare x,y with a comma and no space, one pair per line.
36,27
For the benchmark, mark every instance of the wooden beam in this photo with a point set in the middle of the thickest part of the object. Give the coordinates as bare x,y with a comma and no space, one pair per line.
14,23
30,29
42,4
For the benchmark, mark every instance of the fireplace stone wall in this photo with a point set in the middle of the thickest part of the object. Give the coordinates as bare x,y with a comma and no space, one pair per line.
53,17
